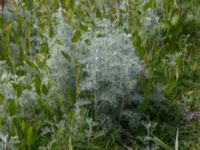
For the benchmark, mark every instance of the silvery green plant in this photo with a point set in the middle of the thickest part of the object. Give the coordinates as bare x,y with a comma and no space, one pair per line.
112,67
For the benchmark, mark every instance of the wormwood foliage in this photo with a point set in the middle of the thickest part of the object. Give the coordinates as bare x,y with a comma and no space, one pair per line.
112,71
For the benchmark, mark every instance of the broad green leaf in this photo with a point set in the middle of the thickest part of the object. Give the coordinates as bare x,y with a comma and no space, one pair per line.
18,88
160,143
40,60
29,138
31,64
37,82
12,107
45,89
98,13
76,36
67,57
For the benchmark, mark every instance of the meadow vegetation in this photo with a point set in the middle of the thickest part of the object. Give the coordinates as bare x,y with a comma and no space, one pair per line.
100,75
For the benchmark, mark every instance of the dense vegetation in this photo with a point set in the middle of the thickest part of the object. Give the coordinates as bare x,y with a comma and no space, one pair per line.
99,74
